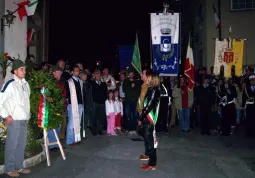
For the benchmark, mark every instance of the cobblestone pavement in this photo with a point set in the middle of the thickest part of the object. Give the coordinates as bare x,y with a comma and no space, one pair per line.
179,156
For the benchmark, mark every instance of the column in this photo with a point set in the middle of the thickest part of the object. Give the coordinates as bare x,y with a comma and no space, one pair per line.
15,37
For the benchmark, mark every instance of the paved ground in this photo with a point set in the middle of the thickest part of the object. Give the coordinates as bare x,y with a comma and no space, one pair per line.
179,156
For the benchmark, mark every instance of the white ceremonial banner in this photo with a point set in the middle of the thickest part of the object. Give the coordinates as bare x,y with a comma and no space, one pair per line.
165,38
220,47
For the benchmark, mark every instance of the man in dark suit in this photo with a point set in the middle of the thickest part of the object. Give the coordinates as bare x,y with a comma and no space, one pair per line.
99,96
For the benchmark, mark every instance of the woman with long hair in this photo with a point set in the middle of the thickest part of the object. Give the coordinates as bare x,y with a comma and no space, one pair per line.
148,119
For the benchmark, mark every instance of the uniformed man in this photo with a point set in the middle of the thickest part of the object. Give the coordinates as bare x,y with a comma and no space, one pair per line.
248,104
227,94
162,122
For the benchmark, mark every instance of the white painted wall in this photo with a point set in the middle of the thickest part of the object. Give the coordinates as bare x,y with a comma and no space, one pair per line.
15,37
1,39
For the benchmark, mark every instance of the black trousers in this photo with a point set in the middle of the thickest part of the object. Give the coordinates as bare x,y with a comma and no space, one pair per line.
205,119
250,122
163,115
228,114
98,120
149,144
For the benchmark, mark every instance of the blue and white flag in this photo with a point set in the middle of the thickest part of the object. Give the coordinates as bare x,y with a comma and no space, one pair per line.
165,38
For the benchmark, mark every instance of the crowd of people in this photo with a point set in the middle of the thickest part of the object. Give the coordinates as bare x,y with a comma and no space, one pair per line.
132,104
216,104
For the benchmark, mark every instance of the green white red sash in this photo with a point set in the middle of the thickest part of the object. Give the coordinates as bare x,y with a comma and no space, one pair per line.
43,110
153,117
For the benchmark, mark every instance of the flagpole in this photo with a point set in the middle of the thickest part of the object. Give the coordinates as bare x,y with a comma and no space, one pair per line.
219,13
151,53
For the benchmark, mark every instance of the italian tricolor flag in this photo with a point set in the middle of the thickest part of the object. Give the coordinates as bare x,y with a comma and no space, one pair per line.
189,70
216,17
27,8
30,33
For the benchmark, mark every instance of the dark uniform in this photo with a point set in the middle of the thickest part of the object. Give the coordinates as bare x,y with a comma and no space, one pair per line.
205,101
163,110
249,105
226,95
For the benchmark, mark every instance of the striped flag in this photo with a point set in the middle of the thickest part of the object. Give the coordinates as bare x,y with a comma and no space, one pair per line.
216,17
27,8
166,9
189,69
30,36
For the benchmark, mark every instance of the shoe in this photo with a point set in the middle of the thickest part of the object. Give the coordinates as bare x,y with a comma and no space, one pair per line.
147,167
114,134
73,144
144,158
134,133
24,171
12,174
100,133
54,149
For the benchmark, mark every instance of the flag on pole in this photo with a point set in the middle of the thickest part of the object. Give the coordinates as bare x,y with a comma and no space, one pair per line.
30,33
166,8
189,69
216,17
136,59
27,8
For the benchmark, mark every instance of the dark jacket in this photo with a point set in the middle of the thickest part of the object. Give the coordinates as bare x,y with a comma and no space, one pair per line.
99,92
78,91
131,94
205,96
248,96
152,97
223,92
87,96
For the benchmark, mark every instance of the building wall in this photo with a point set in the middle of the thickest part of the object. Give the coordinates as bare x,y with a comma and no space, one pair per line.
39,43
242,26
15,37
1,38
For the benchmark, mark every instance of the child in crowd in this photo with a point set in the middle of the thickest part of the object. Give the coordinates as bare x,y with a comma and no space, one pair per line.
110,113
118,111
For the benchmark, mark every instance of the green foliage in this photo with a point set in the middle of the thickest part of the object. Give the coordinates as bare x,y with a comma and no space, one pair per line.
1,158
37,80
5,61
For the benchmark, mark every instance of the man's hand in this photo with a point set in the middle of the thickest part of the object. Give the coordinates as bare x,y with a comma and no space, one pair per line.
140,112
139,123
133,85
8,120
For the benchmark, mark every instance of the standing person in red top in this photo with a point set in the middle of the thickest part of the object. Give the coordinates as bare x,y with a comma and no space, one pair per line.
56,71
184,99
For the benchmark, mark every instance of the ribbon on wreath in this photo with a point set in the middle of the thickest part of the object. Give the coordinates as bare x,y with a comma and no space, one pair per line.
43,111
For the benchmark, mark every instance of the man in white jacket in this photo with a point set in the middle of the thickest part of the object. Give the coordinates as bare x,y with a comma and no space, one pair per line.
15,109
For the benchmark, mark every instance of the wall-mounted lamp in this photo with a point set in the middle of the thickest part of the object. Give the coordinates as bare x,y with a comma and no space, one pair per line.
9,18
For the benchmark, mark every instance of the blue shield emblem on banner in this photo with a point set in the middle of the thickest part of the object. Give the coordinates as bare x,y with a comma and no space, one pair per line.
165,44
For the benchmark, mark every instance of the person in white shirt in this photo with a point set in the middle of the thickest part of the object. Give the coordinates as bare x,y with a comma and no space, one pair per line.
108,79
110,113
15,109
118,111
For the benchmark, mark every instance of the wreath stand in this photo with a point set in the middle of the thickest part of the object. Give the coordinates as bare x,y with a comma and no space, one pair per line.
47,143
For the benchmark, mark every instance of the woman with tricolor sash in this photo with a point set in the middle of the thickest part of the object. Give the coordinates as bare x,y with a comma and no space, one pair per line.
148,119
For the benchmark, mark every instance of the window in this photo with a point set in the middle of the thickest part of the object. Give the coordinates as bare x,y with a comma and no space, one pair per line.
239,5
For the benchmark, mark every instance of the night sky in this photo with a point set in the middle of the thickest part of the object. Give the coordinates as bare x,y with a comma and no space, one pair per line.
87,31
